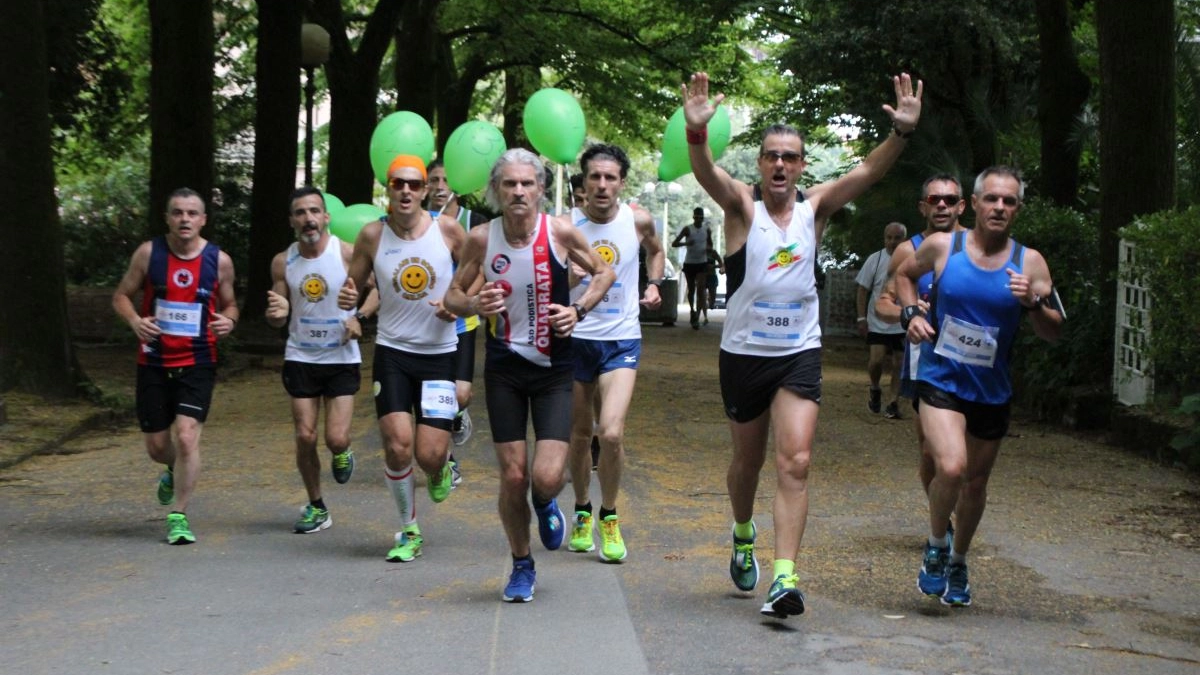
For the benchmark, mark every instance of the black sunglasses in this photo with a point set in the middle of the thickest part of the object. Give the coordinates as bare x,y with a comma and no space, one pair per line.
775,156
414,184
950,200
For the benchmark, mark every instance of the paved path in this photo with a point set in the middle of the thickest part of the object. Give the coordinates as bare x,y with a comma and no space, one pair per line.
1085,562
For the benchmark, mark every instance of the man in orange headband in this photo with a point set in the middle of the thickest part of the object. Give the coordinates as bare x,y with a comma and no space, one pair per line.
413,257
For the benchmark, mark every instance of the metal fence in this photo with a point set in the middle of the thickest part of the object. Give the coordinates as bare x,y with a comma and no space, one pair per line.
1133,379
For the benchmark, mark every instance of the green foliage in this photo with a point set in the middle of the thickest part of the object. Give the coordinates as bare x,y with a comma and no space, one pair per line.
104,218
1044,372
1188,442
1166,260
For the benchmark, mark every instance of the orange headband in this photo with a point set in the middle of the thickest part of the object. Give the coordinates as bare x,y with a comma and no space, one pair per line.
411,161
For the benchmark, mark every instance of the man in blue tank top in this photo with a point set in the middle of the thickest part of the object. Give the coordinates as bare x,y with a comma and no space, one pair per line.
984,283
941,206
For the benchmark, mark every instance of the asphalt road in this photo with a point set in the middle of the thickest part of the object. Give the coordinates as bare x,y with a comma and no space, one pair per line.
1086,561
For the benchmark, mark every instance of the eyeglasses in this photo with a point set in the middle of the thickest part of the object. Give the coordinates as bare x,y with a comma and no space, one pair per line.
951,200
414,184
774,156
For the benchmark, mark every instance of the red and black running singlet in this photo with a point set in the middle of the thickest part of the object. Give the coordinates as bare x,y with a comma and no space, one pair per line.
182,296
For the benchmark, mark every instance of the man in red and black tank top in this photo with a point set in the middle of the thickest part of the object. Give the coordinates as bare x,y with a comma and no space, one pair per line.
187,304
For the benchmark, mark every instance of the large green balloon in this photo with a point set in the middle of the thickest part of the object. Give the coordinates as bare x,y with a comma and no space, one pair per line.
554,124
675,138
346,223
672,166
333,204
400,133
469,155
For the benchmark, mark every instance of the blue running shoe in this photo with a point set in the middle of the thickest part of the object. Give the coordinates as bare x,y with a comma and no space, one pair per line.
931,580
521,582
784,599
958,589
743,566
551,525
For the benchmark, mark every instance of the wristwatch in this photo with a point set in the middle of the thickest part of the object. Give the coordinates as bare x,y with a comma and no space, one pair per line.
580,312
654,282
907,314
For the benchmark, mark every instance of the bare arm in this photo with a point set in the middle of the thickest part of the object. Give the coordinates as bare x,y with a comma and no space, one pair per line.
362,263
1029,288
278,297
485,299
655,256
144,327
904,117
225,320
925,260
563,319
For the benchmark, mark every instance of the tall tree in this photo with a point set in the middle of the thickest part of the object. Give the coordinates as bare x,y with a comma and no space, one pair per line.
1062,91
181,101
277,80
35,344
353,76
1137,122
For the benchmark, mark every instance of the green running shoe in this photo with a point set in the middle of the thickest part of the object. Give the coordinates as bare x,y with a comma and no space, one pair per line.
408,545
178,532
440,484
313,519
784,599
166,487
581,533
612,547
343,466
743,566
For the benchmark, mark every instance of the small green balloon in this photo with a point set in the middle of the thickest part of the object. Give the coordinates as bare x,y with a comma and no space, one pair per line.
333,204
675,143
400,133
346,223
469,155
554,124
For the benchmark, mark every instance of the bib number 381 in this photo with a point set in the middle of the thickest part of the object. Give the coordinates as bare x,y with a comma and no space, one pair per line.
438,400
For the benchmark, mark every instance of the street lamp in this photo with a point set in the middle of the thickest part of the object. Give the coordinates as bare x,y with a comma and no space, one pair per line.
314,51
672,190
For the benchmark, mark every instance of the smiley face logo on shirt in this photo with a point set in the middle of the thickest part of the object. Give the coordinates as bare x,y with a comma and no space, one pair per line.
413,279
607,251
314,288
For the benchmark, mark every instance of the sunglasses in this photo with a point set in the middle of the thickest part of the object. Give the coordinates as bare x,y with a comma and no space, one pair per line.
775,156
950,200
414,184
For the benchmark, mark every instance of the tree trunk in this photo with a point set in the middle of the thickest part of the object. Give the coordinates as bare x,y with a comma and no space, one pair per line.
417,49
1062,90
1137,124
277,79
353,86
35,344
181,103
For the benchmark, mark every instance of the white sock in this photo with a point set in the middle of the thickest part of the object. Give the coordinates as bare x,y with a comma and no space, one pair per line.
401,486
940,543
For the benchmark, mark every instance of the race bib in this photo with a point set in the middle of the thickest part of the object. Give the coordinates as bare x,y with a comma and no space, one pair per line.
967,343
178,318
320,333
612,301
777,323
438,399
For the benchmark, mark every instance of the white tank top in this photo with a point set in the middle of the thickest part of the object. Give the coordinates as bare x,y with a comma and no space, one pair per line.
409,274
774,311
532,277
697,245
317,326
616,317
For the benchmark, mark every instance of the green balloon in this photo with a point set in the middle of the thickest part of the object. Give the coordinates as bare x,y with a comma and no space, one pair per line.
675,145
400,133
672,166
469,155
554,124
333,204
345,223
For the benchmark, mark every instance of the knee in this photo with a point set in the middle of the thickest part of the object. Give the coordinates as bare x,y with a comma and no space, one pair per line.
514,480
335,442
611,437
975,487
795,465
305,438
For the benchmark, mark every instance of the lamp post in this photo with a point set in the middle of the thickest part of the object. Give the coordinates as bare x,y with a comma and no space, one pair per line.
672,190
314,51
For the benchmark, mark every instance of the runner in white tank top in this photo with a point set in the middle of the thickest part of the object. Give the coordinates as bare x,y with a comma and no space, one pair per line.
770,366
412,256
525,302
608,344
321,359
